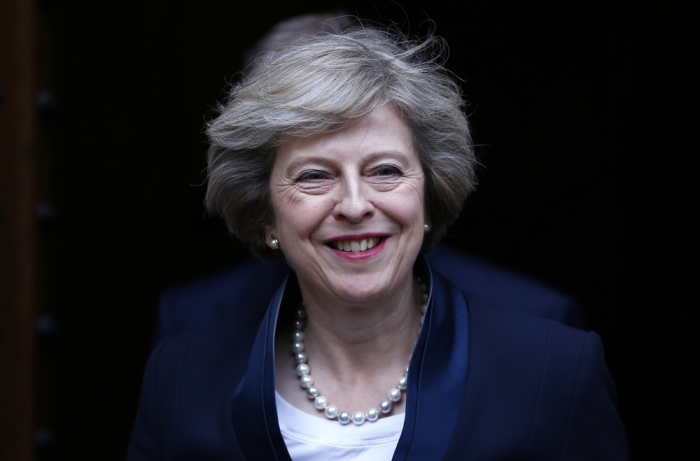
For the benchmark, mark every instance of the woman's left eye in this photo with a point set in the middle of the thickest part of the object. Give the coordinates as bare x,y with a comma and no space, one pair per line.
386,170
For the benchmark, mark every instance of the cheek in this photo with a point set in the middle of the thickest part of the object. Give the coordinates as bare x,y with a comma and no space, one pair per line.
297,217
407,206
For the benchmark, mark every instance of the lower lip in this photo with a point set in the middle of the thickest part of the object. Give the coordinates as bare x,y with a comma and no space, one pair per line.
359,255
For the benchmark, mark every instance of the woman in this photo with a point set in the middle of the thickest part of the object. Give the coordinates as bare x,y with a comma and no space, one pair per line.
348,154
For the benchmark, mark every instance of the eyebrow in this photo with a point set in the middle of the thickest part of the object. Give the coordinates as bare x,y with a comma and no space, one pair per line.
299,161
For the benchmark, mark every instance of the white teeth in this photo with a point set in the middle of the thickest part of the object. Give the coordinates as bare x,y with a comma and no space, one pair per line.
356,245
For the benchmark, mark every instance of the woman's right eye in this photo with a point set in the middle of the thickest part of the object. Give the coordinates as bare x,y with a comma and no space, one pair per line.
312,175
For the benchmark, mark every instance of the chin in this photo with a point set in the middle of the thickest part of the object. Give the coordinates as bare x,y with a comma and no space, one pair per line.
360,292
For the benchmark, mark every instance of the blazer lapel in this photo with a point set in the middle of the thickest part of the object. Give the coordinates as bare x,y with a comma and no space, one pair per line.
253,411
437,376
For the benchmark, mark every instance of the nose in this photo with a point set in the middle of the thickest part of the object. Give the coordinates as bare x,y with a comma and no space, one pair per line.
353,203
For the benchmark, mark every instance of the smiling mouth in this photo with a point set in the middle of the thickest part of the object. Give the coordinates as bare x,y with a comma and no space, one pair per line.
356,246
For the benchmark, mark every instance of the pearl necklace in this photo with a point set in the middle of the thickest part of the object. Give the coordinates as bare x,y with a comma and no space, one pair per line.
313,393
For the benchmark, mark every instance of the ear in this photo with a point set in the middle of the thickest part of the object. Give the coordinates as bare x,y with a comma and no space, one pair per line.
270,233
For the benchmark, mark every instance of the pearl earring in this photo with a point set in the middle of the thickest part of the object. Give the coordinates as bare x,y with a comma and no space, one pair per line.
275,244
426,228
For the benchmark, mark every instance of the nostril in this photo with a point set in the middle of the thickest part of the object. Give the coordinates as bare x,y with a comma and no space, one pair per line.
354,212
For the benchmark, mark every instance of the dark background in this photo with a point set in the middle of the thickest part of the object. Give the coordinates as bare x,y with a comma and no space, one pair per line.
572,189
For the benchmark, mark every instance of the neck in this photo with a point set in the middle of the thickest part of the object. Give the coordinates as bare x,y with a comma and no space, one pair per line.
359,339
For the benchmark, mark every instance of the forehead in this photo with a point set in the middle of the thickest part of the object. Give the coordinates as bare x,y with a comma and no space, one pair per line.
382,130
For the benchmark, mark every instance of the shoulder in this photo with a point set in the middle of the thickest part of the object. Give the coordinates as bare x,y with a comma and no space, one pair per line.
204,359
186,390
219,287
506,346
520,332
204,349
540,385
244,289
505,288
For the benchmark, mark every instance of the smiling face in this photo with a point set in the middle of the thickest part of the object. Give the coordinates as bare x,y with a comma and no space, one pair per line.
349,209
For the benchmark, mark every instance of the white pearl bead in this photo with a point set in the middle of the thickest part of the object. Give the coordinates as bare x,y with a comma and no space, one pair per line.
372,414
343,417
297,336
300,357
331,412
320,402
298,324
297,347
395,395
306,381
302,369
406,371
358,418
312,392
385,406
424,297
402,383
300,314
423,308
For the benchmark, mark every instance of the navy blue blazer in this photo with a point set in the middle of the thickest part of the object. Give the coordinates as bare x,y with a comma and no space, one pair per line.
220,296
484,383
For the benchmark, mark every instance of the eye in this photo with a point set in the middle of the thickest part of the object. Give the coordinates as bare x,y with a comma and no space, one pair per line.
386,170
312,176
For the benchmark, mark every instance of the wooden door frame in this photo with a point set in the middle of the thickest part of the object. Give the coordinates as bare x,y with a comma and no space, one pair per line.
18,233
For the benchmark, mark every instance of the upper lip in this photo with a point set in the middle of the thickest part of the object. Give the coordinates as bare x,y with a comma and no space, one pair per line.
356,237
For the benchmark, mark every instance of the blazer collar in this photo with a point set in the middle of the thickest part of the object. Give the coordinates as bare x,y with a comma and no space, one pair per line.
437,377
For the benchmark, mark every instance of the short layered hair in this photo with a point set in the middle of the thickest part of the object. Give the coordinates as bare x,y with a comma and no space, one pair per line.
320,83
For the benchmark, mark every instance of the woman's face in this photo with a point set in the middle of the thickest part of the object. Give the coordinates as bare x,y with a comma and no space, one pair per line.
349,209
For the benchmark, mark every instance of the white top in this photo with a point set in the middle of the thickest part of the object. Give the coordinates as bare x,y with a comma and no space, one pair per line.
310,438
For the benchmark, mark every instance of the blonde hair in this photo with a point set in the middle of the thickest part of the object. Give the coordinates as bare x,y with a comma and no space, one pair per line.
318,84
